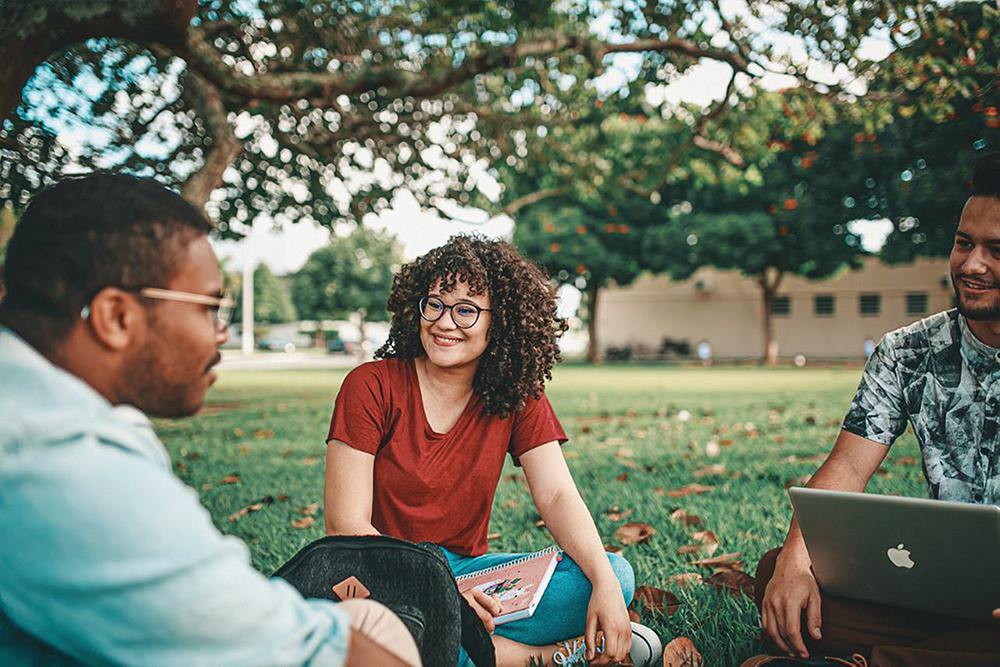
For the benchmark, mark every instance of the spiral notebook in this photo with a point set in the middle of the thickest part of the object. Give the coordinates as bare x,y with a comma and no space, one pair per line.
517,584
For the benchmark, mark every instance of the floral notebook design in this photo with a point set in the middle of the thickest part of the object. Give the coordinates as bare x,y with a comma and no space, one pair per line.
517,584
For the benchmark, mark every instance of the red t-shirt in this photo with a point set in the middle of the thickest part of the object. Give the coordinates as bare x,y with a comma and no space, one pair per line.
428,486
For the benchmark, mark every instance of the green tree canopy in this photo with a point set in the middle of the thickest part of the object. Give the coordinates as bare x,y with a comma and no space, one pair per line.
310,109
352,275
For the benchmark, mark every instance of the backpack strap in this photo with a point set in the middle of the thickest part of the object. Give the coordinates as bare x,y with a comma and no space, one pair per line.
476,641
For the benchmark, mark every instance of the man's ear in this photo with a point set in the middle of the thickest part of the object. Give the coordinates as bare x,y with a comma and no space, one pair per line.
116,318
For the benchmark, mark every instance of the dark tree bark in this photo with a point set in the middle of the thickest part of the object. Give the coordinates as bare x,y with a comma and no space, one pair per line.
30,32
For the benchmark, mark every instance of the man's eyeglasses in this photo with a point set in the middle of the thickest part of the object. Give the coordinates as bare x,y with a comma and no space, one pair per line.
464,315
221,306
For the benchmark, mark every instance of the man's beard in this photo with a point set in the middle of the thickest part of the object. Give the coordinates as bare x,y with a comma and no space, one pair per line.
979,312
149,386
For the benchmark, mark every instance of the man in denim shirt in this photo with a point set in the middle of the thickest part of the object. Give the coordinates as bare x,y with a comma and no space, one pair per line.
114,308
942,376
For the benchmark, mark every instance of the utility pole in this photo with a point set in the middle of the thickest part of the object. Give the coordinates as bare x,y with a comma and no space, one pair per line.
247,337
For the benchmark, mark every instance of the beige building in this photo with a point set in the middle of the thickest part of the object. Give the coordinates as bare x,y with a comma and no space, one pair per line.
828,319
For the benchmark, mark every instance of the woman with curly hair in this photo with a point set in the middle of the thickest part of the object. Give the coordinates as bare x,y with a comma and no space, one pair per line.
418,439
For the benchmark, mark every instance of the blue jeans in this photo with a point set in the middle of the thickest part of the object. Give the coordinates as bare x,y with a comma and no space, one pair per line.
562,611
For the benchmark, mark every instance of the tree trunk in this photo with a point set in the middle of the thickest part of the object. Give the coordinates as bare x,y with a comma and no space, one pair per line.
769,281
362,352
593,349
25,41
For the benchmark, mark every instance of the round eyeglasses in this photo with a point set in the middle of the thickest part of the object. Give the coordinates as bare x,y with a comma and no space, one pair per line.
463,314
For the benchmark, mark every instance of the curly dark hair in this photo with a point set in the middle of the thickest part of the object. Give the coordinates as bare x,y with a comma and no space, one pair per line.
522,345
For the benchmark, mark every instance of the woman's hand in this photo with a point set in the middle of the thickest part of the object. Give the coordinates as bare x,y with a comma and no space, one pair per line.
607,612
485,606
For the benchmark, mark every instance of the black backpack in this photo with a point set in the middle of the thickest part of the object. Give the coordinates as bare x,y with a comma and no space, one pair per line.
413,580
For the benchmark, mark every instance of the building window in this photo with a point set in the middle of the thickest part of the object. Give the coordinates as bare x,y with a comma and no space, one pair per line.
870,304
782,305
824,305
916,303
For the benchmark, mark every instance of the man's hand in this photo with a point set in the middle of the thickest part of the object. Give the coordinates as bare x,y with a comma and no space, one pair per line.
485,606
791,589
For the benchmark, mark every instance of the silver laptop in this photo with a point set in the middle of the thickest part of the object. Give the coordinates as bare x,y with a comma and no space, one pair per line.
934,555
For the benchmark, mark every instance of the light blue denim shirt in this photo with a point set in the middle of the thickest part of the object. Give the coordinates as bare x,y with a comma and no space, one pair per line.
107,558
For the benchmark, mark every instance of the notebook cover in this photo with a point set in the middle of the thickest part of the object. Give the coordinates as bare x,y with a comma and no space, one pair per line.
517,584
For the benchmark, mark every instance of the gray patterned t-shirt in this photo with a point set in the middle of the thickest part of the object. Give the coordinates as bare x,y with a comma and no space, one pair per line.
938,376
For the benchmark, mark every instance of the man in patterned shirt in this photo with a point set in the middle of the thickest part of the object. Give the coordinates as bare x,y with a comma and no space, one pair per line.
942,375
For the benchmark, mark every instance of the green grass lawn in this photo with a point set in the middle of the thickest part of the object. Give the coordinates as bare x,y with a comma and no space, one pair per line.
636,434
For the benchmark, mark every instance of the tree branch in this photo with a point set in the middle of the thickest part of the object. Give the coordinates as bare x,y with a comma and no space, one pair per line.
26,41
205,98
203,57
513,207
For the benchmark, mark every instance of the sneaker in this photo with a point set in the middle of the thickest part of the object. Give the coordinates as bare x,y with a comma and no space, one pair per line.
646,651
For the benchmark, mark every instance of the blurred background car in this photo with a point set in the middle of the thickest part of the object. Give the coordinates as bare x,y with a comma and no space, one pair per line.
276,344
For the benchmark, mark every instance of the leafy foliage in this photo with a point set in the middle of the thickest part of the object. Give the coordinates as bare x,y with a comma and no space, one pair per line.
351,275
307,109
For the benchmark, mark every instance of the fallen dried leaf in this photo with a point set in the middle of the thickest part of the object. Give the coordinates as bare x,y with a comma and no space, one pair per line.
633,616
310,509
230,479
612,549
263,434
685,580
510,503
622,477
311,460
681,652
726,442
634,532
689,490
735,581
238,514
707,542
660,491
540,523
714,469
726,561
907,460
688,519
656,599
615,514
493,536
304,522
624,453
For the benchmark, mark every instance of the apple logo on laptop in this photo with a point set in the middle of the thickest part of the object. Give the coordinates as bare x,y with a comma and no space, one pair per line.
900,557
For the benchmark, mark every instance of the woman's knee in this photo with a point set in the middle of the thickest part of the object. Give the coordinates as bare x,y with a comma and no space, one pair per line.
625,574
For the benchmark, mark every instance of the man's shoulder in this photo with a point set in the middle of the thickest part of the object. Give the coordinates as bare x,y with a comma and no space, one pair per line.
45,404
932,333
